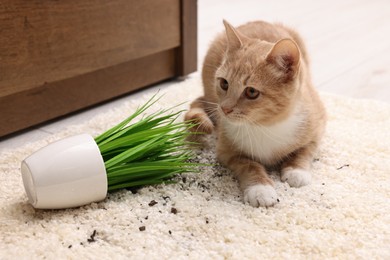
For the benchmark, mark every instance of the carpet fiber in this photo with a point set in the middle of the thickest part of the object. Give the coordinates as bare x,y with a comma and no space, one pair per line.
344,213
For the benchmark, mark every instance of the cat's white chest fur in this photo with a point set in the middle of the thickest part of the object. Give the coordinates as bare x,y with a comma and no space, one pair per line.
265,143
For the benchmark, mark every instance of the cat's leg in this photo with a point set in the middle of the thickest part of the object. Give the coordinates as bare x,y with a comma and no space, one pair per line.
255,184
296,169
198,114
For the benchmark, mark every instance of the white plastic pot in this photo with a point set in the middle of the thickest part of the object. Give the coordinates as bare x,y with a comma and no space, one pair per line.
67,173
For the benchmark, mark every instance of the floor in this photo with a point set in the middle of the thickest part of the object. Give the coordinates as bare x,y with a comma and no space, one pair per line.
349,44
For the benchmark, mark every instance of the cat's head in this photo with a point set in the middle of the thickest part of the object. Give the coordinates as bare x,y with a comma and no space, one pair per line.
257,80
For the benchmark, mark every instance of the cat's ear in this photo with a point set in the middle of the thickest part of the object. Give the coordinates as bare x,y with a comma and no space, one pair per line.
234,38
285,55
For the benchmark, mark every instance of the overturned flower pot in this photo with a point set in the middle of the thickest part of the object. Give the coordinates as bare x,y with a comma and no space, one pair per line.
81,169
67,173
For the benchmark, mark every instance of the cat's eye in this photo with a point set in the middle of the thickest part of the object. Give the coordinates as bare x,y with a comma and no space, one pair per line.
223,84
251,93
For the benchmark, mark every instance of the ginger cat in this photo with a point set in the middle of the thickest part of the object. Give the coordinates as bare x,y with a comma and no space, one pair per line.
259,98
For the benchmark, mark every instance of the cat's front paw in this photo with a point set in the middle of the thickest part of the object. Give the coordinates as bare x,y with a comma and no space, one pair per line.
203,123
260,195
296,177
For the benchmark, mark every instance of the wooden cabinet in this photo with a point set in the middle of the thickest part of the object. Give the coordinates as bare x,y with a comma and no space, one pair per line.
57,57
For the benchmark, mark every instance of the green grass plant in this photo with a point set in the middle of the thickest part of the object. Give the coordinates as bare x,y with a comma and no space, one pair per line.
149,151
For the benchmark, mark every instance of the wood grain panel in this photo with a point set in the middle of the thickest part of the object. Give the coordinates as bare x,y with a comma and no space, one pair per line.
188,54
47,41
54,99
57,57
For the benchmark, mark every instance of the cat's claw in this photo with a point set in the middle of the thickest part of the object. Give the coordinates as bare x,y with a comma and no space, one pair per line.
260,195
296,177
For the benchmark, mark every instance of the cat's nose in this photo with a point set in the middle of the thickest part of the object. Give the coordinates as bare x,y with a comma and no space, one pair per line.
227,110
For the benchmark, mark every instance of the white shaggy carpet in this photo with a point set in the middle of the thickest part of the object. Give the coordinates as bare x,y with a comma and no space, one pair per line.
344,213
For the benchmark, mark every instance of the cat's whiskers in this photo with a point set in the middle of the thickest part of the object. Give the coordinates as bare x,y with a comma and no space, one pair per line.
236,136
264,130
245,131
208,102
199,126
242,136
250,135
212,113
210,109
242,122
